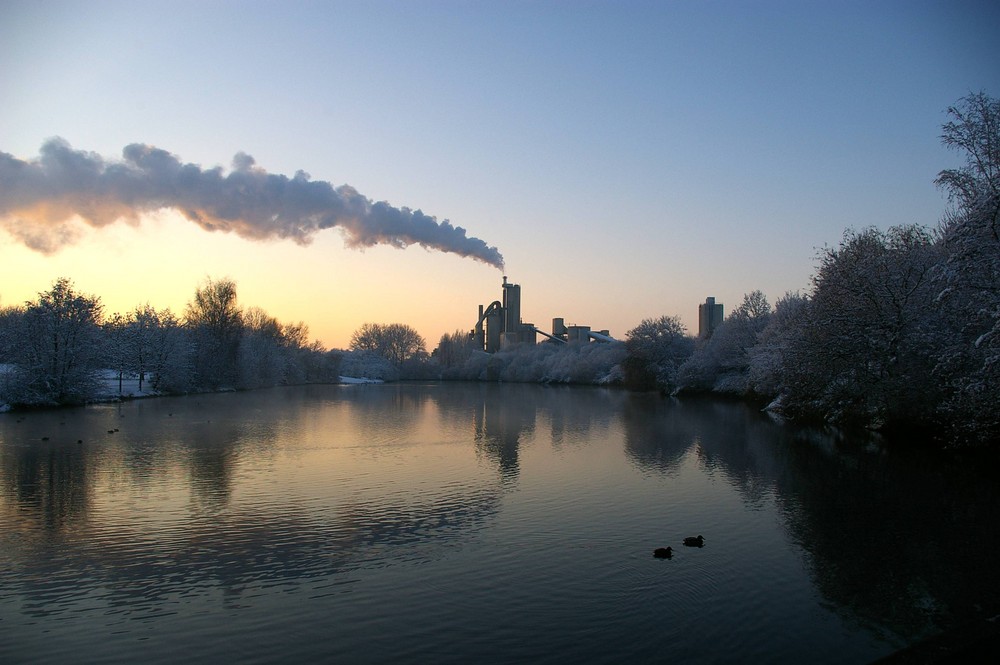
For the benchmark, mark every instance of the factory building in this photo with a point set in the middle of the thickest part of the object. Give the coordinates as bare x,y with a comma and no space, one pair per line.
499,325
710,315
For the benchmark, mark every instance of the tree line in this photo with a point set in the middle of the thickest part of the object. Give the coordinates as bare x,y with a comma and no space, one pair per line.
54,349
899,329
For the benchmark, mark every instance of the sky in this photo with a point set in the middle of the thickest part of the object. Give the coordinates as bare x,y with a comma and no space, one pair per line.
626,159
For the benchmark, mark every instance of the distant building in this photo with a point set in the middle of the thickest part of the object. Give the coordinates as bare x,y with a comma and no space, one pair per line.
499,325
710,315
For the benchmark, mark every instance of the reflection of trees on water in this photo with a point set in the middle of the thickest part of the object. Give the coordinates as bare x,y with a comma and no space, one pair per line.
727,437
241,550
50,479
574,412
901,541
232,550
59,551
213,454
505,415
50,483
496,417
385,408
906,538
657,435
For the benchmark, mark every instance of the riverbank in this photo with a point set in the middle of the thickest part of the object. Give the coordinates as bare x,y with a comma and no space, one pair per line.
111,388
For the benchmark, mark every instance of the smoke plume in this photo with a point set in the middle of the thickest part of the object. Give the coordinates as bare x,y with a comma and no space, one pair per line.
40,198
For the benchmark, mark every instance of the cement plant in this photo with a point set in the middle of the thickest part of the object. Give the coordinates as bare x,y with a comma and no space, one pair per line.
499,325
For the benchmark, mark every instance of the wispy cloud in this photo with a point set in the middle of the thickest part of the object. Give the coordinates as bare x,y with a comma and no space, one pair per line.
40,197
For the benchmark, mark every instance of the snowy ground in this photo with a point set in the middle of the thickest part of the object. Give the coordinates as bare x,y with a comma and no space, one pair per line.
109,388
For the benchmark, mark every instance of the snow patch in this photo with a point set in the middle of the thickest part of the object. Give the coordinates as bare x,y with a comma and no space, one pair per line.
354,379
108,386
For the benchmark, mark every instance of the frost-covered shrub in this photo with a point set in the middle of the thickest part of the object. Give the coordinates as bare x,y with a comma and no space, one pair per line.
594,364
367,365
549,362
420,367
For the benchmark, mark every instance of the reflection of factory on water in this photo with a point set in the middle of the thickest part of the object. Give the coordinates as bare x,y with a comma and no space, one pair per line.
500,325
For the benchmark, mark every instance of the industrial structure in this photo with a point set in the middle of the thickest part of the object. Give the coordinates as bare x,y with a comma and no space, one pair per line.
499,325
710,315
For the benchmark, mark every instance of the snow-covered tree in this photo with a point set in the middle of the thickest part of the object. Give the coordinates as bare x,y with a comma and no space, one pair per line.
861,353
165,350
454,349
320,365
299,354
119,345
260,358
215,322
765,374
10,325
968,281
58,347
396,342
143,322
974,131
655,349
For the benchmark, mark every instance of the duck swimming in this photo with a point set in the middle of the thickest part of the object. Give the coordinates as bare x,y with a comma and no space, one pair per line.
663,552
691,541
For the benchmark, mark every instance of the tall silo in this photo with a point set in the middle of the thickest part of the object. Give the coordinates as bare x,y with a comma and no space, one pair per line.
511,307
494,330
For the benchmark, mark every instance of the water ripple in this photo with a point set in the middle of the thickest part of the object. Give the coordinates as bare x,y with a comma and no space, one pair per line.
454,524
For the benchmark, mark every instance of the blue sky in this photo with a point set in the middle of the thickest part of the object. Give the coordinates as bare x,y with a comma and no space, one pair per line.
628,159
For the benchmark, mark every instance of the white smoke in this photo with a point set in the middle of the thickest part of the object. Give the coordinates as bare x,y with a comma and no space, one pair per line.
40,198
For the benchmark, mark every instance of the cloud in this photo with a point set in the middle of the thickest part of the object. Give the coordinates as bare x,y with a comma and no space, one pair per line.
41,198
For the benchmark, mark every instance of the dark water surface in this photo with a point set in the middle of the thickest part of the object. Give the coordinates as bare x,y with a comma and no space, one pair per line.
475,523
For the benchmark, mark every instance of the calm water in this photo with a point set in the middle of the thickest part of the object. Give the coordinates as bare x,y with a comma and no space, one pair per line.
474,523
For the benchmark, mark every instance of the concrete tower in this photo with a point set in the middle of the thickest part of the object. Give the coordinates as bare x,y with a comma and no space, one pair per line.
710,315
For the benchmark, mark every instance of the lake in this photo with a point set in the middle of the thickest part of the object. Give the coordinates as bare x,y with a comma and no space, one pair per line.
458,523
